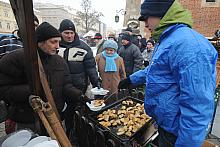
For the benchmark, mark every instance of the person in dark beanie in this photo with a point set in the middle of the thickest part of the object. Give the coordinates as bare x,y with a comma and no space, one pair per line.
14,87
81,56
80,60
99,42
98,36
128,29
181,78
134,38
131,54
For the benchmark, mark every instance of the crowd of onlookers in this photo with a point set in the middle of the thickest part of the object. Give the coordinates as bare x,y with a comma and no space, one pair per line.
70,66
180,73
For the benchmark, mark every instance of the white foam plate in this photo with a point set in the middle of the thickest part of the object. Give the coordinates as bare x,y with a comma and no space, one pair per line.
101,91
51,143
93,108
18,139
37,140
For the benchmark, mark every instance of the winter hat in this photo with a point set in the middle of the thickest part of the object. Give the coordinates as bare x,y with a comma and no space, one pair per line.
156,8
98,36
111,35
110,44
128,29
46,31
67,24
143,42
126,36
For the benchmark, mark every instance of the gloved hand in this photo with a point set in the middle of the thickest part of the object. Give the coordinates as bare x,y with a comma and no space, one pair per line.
124,84
84,99
98,84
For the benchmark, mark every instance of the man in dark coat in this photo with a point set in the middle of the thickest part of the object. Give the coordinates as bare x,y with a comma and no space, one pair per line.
131,55
78,56
14,87
81,62
134,38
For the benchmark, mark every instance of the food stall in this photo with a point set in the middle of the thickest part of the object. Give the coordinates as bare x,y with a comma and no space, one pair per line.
122,123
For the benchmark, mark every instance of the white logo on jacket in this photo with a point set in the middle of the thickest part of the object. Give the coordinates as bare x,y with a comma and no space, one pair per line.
75,54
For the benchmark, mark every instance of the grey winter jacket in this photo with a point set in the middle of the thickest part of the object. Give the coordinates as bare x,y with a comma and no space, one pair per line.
132,57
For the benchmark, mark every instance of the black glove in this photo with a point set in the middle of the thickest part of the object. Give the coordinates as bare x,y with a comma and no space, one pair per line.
124,84
84,99
99,83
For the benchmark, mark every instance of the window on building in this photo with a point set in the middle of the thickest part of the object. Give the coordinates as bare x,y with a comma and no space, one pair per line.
6,14
8,26
0,25
210,3
15,26
210,0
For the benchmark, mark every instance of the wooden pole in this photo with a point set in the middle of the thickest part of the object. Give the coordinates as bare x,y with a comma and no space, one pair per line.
38,106
56,126
23,12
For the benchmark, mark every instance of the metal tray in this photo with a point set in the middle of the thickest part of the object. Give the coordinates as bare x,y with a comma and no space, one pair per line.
112,130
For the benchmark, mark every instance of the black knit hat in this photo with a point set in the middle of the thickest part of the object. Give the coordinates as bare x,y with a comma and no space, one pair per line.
156,8
128,29
126,36
98,36
67,24
46,31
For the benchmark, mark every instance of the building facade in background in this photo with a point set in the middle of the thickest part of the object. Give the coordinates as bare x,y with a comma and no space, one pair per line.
205,13
54,14
7,19
132,9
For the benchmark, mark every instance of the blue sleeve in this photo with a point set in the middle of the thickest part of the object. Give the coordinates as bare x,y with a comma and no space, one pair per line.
195,71
138,77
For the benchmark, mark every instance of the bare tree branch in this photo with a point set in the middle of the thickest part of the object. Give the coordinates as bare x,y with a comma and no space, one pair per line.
88,17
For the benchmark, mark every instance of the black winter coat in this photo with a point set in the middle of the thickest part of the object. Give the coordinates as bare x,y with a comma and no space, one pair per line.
14,88
81,62
132,57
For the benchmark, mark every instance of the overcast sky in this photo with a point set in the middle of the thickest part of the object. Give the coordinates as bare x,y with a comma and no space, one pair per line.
107,7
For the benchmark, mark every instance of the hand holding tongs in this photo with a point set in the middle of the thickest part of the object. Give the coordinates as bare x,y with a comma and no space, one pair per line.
109,96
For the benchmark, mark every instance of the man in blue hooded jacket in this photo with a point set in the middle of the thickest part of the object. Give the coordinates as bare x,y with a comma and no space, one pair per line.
181,78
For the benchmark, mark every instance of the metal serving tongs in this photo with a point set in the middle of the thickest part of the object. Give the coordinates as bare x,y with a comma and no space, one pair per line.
106,97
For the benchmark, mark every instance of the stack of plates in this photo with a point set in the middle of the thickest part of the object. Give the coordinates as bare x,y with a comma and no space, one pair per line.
99,91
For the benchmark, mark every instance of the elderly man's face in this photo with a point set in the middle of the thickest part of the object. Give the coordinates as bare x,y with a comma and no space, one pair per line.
50,46
152,22
68,35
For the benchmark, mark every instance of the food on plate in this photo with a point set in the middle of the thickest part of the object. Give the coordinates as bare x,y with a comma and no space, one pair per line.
97,103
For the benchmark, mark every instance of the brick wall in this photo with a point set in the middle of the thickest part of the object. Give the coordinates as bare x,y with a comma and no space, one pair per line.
206,19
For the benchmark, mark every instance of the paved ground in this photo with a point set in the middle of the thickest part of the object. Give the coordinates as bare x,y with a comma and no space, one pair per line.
215,130
2,128
216,126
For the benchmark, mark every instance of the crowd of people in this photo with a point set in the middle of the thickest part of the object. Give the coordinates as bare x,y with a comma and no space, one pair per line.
177,65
